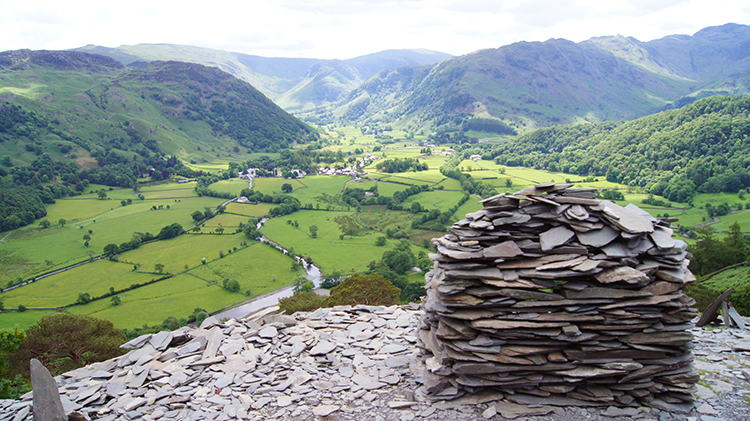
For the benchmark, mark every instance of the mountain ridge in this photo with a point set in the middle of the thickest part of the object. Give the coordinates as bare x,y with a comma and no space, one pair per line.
282,79
538,84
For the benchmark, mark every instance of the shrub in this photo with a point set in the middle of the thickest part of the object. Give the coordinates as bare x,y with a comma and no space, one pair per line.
302,301
371,289
740,299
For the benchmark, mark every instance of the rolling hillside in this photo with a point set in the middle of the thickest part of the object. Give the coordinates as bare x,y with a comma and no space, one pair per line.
82,104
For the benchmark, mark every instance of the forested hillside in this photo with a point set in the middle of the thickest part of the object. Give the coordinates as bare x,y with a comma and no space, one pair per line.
702,147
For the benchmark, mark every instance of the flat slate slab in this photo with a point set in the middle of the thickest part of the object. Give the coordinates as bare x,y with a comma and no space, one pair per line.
555,237
626,219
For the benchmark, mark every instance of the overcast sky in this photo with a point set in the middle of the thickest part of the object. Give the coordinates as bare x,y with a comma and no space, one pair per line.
347,28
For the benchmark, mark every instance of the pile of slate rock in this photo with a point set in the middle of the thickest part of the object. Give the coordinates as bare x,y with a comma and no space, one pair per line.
550,295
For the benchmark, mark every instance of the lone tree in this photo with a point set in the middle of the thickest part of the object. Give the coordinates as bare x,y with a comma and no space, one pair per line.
62,222
102,194
45,223
314,231
83,298
63,342
287,188
197,216
115,300
159,268
111,248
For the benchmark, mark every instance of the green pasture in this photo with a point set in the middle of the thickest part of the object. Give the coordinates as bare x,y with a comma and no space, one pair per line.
328,251
168,186
273,185
436,199
416,277
450,184
186,250
23,319
315,187
62,289
169,191
75,209
387,189
33,248
177,296
362,184
253,267
232,186
227,221
715,199
741,217
222,164
246,209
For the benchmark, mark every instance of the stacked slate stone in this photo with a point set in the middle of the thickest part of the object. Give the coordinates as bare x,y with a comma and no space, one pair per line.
549,295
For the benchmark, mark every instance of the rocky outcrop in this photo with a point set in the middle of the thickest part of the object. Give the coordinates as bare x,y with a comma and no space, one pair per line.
551,296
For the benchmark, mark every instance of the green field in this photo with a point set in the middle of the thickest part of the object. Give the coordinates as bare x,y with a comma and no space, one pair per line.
233,186
436,199
258,268
186,250
227,221
151,304
316,189
273,185
22,320
62,289
328,251
248,210
33,250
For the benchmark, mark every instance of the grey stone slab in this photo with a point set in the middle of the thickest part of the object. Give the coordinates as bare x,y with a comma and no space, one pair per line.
517,218
617,250
161,340
621,274
137,342
214,342
47,403
598,238
626,219
268,332
736,318
503,250
662,237
577,212
555,237
322,348
115,389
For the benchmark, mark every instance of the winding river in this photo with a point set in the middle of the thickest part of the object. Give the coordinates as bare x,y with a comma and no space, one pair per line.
272,298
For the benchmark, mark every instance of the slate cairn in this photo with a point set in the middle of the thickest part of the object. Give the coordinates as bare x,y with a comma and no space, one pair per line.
551,296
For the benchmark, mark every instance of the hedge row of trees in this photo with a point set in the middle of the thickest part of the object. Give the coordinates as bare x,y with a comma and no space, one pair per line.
401,165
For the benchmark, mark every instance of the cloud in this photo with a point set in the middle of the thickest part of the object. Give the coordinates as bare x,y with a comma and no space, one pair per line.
348,28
